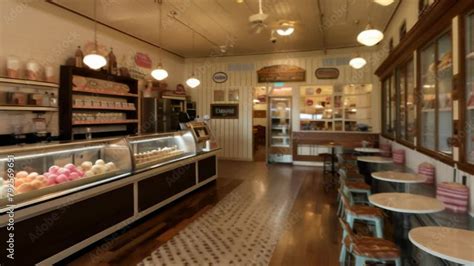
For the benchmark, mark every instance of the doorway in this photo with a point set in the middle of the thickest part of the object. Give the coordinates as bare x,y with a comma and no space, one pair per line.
259,123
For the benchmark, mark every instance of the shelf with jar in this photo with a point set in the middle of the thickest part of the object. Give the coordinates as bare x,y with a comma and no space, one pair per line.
26,95
349,103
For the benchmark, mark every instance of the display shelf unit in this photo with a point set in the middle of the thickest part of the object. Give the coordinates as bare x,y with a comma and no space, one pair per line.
98,92
105,122
279,129
32,108
11,85
70,129
339,109
103,108
26,82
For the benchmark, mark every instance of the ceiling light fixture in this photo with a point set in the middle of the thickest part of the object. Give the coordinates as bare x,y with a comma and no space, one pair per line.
95,60
160,73
193,82
370,36
239,1
285,29
384,2
357,62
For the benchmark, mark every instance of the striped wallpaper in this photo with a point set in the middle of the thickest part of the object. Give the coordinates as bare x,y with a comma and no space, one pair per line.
235,135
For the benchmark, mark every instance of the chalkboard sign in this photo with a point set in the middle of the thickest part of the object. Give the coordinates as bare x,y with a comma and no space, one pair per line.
227,111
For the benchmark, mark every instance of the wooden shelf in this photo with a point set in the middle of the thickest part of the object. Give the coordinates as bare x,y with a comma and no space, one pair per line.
470,55
107,93
103,108
43,84
104,122
32,108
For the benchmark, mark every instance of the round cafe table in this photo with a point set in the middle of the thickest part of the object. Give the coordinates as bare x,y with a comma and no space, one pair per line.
399,177
375,159
405,204
456,245
367,150
369,164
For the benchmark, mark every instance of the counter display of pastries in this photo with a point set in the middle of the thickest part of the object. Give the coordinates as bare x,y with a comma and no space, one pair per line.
30,181
157,155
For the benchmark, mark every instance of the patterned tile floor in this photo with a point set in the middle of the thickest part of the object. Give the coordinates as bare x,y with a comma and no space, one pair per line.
242,229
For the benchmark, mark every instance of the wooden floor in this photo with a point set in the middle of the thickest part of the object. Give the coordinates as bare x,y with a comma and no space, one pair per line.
310,237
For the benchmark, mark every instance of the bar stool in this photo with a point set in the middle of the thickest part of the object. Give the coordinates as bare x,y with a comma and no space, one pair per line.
366,248
368,214
327,162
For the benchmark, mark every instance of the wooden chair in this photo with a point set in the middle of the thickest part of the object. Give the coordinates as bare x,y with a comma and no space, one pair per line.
363,213
367,249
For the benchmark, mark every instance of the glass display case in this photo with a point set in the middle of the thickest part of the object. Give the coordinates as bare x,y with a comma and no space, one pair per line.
469,108
153,150
279,129
436,101
41,171
339,108
406,107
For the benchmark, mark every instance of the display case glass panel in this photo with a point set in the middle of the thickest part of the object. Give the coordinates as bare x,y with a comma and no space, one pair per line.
280,123
428,98
406,106
401,87
389,106
410,103
436,105
469,148
42,172
154,150
393,106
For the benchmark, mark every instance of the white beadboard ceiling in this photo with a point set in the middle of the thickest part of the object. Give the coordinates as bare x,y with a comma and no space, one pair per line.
225,23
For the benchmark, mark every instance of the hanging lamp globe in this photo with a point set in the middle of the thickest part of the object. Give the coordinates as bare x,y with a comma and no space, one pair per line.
193,82
357,62
370,36
94,60
159,73
384,2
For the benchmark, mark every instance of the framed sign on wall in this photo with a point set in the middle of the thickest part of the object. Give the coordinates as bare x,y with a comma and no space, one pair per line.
224,111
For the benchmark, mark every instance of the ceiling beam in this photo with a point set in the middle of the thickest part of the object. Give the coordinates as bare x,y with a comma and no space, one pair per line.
321,25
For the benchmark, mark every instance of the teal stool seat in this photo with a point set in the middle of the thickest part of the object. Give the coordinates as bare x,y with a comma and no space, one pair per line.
367,249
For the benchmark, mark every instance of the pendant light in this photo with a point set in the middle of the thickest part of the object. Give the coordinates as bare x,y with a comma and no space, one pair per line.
370,36
95,60
384,2
357,62
160,73
193,82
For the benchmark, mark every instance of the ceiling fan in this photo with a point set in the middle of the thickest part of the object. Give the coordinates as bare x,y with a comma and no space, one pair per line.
257,21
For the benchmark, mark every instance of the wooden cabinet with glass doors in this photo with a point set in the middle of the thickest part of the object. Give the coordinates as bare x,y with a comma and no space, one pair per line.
468,107
436,80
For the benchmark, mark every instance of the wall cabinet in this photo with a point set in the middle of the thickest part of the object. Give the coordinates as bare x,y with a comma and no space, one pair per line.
429,80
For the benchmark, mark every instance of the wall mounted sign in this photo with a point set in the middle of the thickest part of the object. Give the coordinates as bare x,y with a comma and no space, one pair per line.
143,60
281,73
327,73
219,77
309,102
225,111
